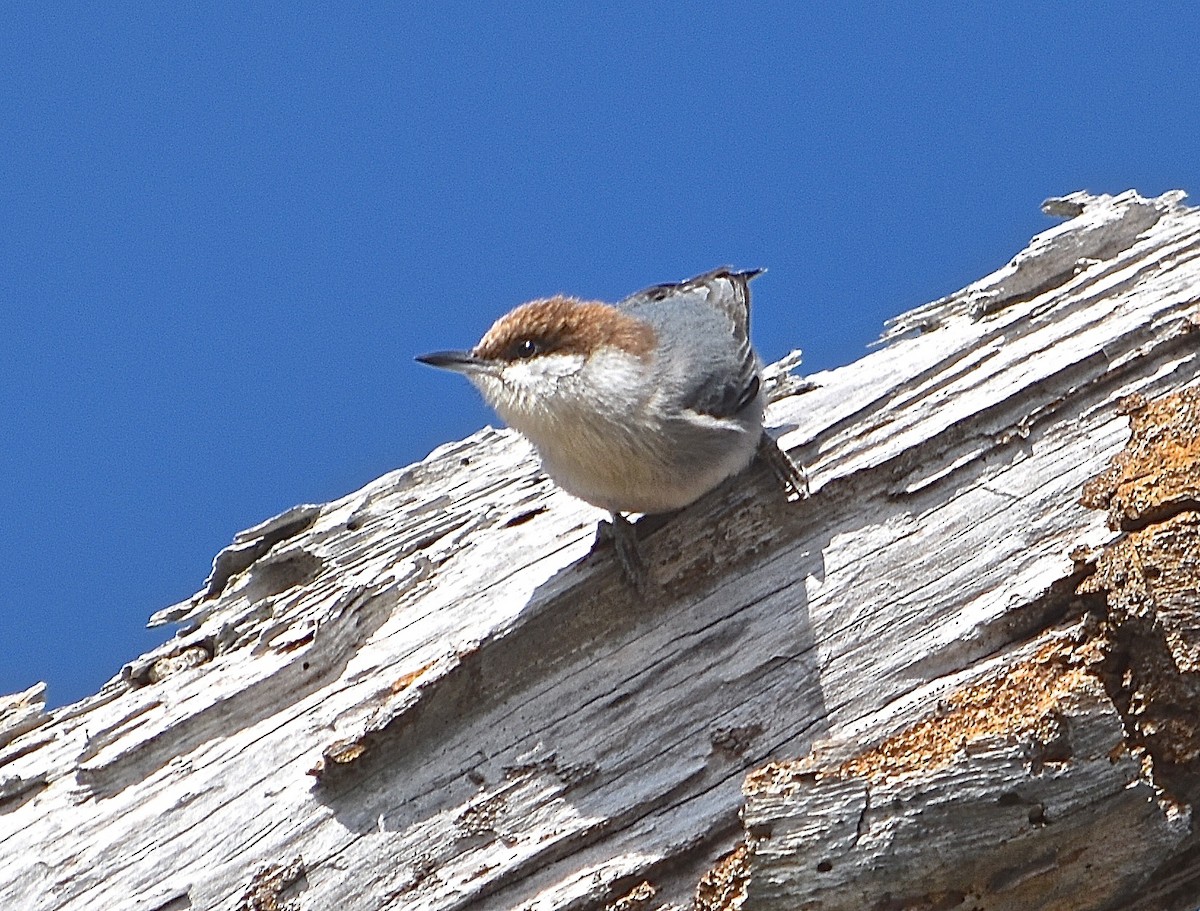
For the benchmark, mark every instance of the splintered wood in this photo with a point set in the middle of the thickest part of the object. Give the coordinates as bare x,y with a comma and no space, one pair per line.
941,681
1006,794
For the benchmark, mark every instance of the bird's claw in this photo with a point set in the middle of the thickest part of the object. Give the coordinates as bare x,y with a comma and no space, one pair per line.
791,475
621,533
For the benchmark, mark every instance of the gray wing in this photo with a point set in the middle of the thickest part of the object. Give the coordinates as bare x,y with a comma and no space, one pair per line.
723,288
725,399
707,317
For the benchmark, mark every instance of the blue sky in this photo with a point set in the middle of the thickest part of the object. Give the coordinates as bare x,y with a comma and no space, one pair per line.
228,227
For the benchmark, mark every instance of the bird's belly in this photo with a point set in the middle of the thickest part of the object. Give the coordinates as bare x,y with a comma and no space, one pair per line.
647,480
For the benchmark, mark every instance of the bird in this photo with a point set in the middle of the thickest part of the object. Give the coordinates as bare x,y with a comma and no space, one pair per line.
642,406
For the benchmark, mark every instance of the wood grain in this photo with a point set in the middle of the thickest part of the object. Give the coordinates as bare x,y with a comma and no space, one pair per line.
931,682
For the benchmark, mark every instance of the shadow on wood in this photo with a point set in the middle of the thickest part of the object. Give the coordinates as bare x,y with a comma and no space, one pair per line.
943,681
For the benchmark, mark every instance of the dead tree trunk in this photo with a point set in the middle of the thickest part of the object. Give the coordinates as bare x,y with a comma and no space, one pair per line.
963,674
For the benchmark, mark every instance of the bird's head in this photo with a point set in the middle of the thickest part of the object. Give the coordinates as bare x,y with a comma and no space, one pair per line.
550,360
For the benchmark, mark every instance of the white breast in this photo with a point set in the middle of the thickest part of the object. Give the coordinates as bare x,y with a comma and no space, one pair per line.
604,433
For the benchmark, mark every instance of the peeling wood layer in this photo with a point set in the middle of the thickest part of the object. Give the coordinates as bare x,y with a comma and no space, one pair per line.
434,693
1017,796
1158,474
1022,702
1017,789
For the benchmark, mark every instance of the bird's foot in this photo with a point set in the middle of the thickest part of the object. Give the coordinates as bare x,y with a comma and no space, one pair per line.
792,476
621,533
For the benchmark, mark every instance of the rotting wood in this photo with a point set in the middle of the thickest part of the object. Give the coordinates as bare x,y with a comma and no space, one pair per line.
1066,777
437,696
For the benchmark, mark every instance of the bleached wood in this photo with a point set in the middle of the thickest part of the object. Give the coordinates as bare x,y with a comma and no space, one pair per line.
1047,809
427,695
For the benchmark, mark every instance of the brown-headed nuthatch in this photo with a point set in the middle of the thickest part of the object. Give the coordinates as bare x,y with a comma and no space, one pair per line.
642,406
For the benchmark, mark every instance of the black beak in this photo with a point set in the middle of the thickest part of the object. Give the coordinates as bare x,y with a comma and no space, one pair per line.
458,361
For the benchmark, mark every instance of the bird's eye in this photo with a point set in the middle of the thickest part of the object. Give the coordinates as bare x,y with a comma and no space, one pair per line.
525,348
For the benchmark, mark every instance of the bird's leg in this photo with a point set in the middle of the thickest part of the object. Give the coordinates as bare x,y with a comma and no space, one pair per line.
791,476
621,532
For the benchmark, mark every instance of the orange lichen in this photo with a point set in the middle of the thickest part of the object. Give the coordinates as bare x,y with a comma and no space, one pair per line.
636,899
271,885
404,681
1150,578
1023,702
1158,472
723,888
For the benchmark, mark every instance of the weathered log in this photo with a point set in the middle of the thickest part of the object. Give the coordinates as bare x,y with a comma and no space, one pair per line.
963,673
